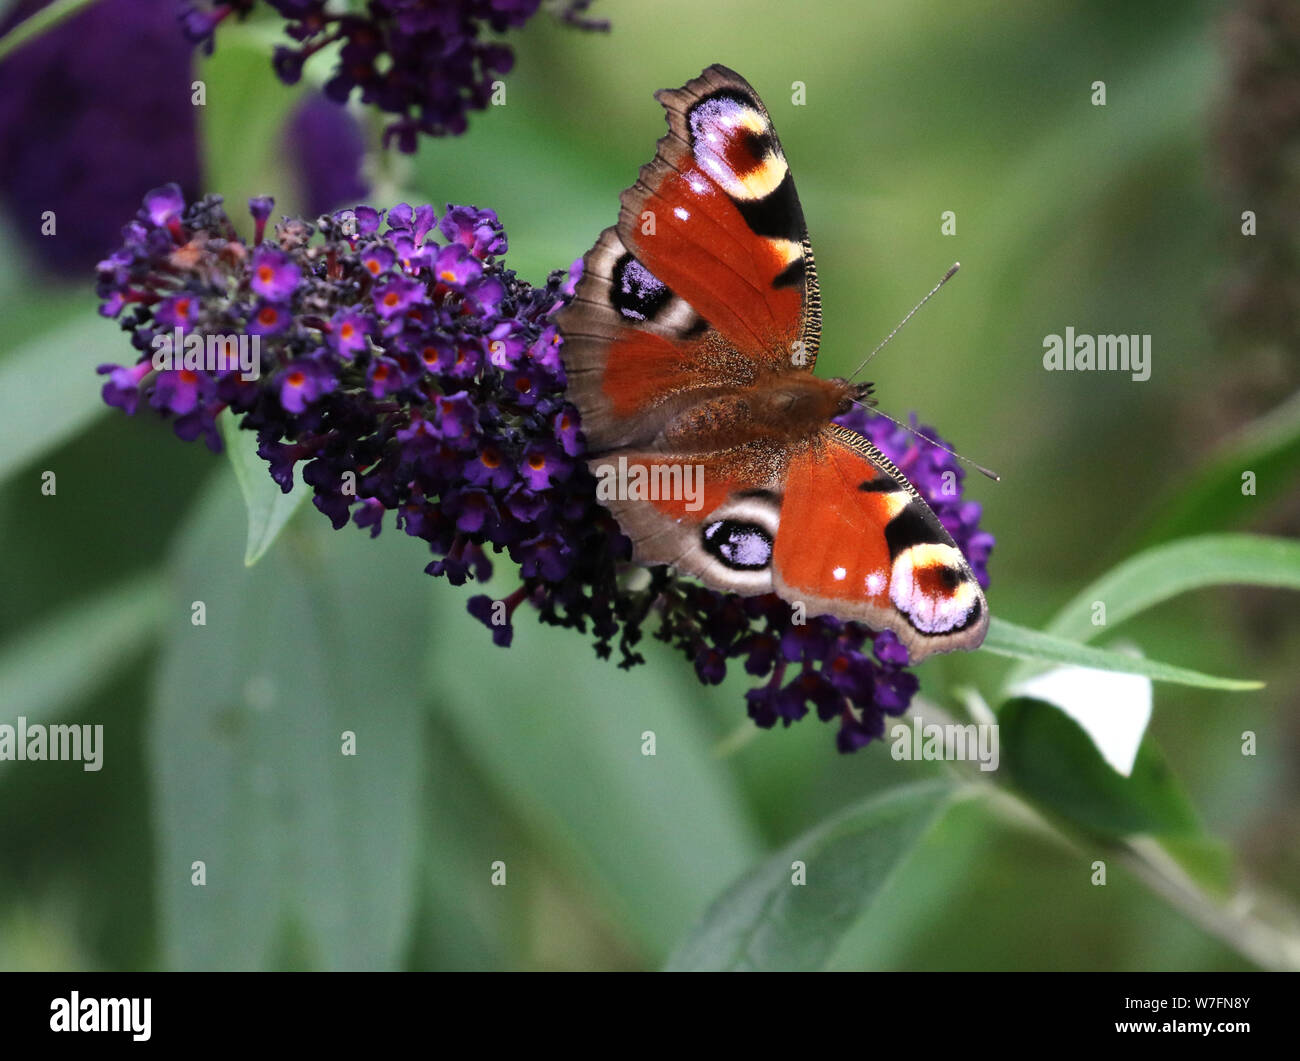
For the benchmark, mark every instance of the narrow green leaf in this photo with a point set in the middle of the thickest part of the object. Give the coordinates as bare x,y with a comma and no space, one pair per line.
311,855
48,388
269,508
462,925
766,922
1053,761
102,634
1156,575
1019,642
561,736
39,22
1164,571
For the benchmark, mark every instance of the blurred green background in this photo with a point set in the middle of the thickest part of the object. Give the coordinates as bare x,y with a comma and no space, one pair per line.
222,742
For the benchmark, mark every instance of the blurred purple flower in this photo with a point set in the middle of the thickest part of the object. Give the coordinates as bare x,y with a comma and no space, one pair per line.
85,128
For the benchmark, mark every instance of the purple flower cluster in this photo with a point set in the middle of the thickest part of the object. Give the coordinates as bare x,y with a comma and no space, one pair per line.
408,371
421,60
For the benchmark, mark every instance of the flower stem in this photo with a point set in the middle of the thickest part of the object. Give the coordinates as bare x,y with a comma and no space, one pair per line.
34,25
1261,928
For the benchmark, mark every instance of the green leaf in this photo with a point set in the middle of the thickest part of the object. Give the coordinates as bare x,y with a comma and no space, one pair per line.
1156,575
463,925
1019,642
311,855
765,922
1053,761
269,508
48,388
559,734
1211,499
1160,573
102,634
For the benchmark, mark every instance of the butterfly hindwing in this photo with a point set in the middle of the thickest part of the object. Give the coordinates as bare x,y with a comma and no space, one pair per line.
858,541
712,515
832,524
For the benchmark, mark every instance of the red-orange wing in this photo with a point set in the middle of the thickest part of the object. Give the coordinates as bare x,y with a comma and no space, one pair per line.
706,279
716,218
857,541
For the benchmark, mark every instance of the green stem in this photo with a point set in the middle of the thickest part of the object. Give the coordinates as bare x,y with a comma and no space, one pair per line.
388,172
1261,928
34,25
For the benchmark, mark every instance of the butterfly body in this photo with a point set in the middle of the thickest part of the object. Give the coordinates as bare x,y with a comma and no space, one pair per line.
690,344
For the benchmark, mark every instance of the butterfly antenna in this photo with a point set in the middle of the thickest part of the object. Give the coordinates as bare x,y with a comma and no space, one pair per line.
907,427
946,277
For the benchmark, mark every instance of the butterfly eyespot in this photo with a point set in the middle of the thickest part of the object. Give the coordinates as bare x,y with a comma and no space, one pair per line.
948,578
636,292
741,546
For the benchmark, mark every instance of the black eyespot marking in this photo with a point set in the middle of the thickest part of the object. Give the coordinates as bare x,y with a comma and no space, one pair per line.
696,329
949,577
880,485
757,145
915,525
792,275
741,546
636,292
777,215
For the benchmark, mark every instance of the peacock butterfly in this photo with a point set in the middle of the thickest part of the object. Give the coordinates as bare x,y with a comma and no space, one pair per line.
689,347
